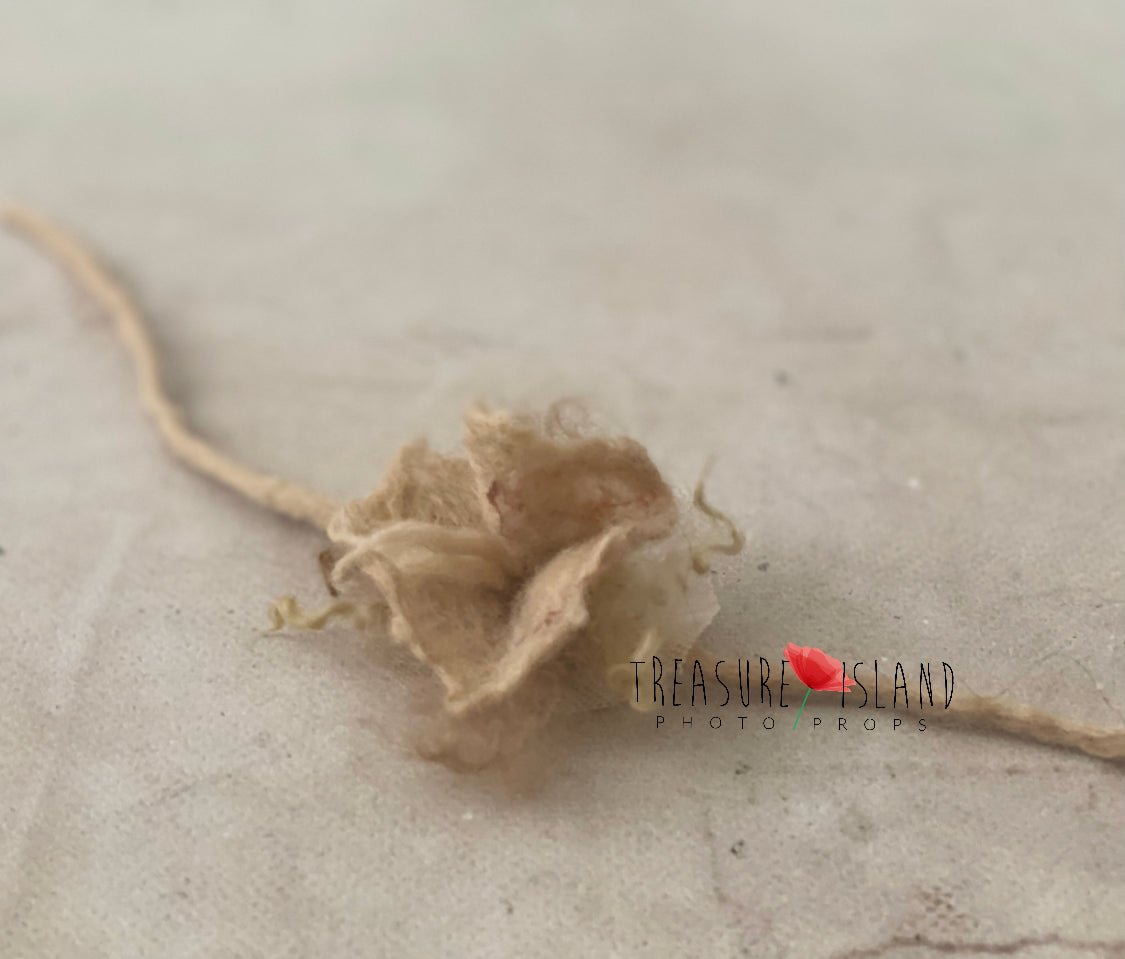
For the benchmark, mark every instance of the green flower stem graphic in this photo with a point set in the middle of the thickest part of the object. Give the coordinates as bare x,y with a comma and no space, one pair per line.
802,709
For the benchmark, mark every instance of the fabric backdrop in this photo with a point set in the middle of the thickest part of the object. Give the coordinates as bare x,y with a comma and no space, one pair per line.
869,254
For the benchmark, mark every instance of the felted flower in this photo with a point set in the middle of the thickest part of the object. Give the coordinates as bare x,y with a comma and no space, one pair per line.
538,564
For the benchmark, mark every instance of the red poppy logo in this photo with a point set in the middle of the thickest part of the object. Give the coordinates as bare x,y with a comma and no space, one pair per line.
817,670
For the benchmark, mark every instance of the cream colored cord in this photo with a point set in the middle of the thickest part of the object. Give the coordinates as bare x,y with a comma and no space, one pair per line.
280,495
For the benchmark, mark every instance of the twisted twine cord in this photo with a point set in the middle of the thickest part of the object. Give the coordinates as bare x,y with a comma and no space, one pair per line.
996,713
280,495
1027,722
308,506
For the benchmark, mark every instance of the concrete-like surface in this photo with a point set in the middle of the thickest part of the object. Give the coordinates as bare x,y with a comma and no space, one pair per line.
869,254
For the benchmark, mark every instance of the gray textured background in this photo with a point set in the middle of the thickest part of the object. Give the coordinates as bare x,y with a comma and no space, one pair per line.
870,254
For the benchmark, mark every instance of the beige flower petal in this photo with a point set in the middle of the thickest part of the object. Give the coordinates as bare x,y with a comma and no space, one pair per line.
545,493
457,629
419,484
548,613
